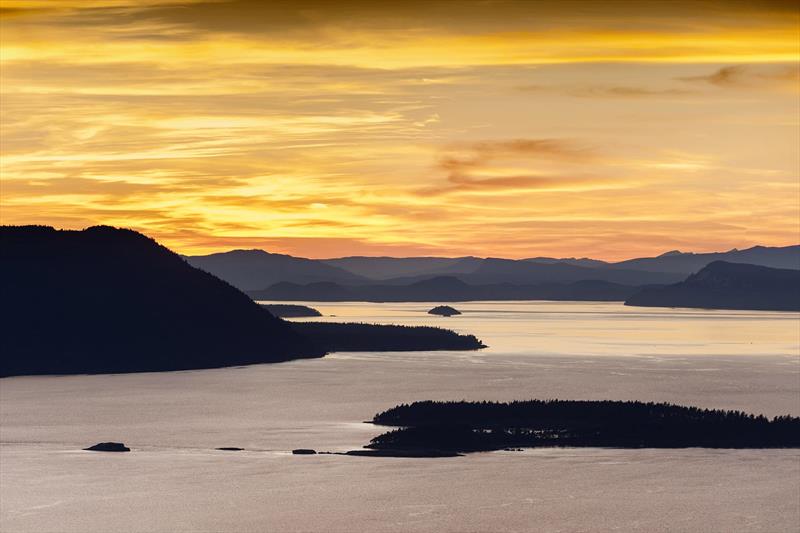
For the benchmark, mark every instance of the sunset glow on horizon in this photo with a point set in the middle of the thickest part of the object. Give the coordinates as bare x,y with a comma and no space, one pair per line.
502,128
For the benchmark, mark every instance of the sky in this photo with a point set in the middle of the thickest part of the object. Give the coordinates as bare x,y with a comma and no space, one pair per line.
601,128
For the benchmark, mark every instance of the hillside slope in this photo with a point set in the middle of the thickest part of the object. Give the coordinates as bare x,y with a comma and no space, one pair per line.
112,300
723,285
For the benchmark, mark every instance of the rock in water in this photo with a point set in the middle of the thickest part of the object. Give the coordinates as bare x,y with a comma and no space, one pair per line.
304,451
444,310
230,449
108,447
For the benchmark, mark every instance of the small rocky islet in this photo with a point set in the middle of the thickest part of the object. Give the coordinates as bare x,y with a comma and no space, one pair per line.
444,310
108,447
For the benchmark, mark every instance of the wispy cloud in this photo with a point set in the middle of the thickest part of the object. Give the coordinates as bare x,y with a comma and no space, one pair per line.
611,91
748,76
486,166
322,128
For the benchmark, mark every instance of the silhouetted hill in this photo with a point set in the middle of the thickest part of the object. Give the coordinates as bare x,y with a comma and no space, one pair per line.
112,300
723,285
483,426
354,337
256,269
445,289
688,263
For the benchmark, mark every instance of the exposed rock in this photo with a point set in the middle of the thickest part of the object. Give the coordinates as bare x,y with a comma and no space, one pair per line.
108,447
304,451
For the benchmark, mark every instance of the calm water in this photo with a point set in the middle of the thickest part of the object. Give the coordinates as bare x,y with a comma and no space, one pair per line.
175,481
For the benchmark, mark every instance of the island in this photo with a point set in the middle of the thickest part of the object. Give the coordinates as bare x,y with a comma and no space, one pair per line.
444,310
291,310
108,447
358,337
462,427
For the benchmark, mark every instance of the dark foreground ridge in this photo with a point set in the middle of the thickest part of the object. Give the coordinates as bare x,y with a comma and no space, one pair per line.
485,426
291,310
723,285
355,337
112,300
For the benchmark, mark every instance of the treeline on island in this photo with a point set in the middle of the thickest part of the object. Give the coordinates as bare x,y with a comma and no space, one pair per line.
355,337
484,426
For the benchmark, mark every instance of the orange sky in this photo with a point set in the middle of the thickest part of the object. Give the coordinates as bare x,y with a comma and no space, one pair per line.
498,128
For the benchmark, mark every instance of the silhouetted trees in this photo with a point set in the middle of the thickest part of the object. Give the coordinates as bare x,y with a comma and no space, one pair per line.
479,426
290,310
355,337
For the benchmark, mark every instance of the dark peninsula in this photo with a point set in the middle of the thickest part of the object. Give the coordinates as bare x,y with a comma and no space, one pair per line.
485,426
291,310
355,337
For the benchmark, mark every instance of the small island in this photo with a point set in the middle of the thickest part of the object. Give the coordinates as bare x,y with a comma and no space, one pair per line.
108,447
358,337
444,310
462,427
290,310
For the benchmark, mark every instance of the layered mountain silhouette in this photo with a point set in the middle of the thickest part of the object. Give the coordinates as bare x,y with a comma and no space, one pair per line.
112,300
445,289
257,269
386,268
281,277
687,263
673,262
723,285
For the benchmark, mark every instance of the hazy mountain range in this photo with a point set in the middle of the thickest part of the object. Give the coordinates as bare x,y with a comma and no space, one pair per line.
283,277
723,285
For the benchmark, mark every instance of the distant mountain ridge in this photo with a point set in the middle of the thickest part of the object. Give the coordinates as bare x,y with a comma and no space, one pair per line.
787,257
444,289
723,285
385,268
256,270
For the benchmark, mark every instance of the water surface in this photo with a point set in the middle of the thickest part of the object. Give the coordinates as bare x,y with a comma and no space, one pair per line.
175,481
